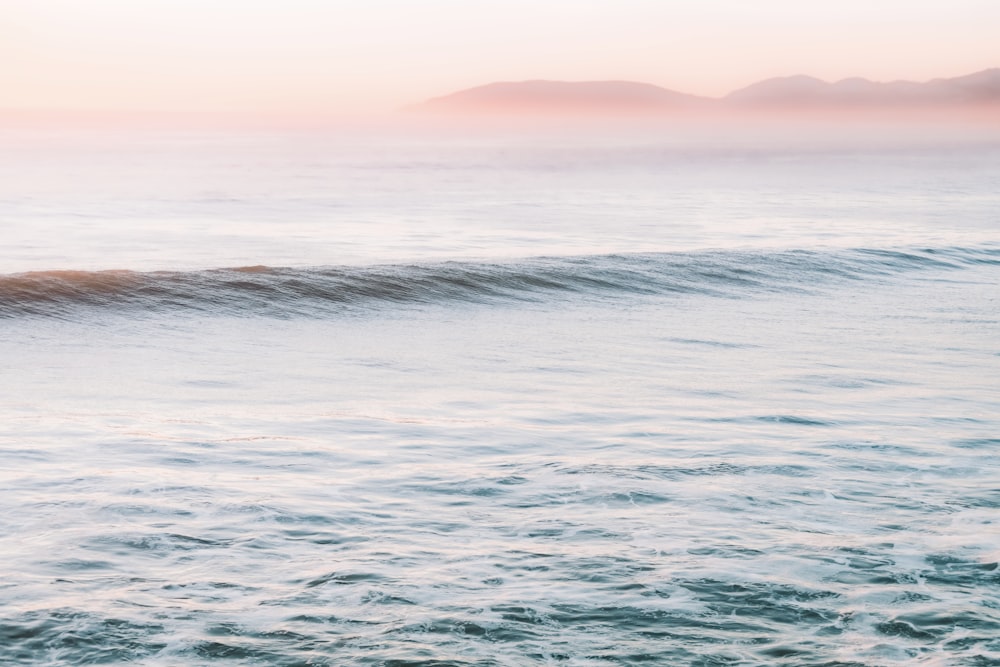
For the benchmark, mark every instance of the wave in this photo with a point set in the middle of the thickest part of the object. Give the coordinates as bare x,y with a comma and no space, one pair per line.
286,292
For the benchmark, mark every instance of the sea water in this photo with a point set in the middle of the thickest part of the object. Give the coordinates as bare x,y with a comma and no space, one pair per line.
305,399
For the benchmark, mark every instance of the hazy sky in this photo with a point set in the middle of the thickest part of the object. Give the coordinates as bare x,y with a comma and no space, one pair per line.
371,55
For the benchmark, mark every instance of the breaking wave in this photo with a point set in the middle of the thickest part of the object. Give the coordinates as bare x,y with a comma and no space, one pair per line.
285,292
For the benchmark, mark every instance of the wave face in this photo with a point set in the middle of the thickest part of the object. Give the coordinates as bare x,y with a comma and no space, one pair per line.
286,292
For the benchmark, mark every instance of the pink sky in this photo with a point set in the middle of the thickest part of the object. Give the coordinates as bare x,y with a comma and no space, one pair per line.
358,56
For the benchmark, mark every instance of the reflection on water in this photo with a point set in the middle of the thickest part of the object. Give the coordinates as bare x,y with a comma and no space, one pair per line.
643,455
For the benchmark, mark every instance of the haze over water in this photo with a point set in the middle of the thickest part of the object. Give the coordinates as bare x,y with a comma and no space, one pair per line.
399,398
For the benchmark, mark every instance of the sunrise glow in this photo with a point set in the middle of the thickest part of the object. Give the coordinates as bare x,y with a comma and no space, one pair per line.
312,56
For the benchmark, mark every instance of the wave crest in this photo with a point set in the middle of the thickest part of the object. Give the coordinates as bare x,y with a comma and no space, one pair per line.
277,291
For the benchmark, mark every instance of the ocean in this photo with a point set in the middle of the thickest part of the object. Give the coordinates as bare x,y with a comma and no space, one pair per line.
306,398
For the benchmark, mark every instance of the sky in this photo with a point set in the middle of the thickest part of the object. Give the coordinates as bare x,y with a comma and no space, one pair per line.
372,56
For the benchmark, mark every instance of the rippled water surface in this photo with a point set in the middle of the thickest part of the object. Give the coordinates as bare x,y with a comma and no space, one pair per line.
274,402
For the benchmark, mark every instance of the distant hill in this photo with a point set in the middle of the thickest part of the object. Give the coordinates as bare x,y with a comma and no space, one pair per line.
979,88
803,92
564,96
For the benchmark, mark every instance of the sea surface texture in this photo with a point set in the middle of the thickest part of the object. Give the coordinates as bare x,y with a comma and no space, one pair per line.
293,399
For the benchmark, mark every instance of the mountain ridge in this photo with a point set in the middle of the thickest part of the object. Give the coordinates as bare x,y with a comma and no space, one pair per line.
799,91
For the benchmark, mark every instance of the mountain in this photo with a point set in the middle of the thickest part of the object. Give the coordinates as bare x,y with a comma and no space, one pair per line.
804,91
981,87
978,90
533,97
780,90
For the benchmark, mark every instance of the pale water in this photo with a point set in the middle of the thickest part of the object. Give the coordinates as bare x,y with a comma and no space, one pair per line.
305,400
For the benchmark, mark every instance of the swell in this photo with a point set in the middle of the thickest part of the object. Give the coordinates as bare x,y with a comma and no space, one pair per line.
262,290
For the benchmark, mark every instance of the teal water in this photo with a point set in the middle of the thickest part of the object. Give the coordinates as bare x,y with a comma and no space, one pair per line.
498,405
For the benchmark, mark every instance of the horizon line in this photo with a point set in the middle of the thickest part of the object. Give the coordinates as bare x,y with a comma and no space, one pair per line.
331,113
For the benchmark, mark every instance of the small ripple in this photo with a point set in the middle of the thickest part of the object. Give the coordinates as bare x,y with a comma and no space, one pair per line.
342,579
70,637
